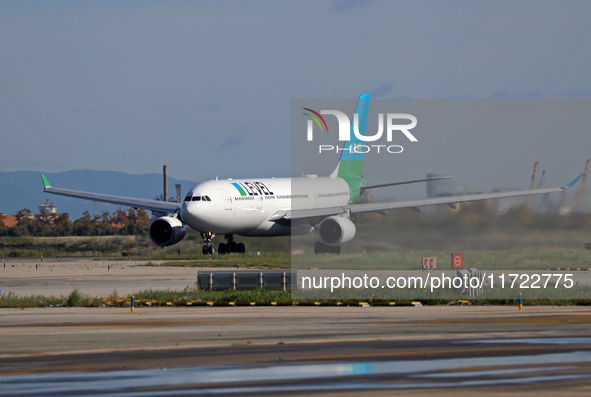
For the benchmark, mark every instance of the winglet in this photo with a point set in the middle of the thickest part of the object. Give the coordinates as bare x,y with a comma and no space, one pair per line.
45,182
575,180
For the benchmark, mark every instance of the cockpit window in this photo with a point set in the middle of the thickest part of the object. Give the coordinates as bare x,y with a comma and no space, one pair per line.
197,198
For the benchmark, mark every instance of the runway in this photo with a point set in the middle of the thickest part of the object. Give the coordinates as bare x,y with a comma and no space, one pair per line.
357,350
91,277
300,350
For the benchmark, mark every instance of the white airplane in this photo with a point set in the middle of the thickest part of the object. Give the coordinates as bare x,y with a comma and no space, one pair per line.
278,206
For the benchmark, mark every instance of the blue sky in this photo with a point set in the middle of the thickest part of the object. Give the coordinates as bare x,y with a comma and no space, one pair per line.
206,86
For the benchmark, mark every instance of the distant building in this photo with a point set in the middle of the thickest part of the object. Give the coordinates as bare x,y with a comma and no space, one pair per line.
48,208
10,221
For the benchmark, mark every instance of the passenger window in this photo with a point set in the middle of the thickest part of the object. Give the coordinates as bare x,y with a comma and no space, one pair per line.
196,198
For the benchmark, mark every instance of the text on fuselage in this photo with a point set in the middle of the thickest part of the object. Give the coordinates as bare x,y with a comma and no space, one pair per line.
252,188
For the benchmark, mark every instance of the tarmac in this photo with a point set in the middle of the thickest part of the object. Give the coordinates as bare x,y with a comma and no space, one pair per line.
94,278
357,350
300,350
52,277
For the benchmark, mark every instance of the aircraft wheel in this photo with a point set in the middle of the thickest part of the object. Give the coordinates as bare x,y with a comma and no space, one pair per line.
205,250
321,248
241,248
222,248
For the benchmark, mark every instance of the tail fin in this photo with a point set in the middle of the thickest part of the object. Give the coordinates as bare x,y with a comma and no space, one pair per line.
351,162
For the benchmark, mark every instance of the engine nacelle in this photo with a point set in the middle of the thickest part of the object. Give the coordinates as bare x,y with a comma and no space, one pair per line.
166,231
336,230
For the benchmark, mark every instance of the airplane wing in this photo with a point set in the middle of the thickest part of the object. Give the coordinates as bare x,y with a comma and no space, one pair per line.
363,188
152,205
313,216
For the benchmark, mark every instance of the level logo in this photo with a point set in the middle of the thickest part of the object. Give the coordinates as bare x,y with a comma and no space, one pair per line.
252,189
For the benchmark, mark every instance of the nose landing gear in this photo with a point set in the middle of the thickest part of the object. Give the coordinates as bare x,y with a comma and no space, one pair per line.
231,246
208,248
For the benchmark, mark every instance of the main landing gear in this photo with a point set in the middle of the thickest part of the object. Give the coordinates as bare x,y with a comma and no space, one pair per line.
231,246
208,247
321,248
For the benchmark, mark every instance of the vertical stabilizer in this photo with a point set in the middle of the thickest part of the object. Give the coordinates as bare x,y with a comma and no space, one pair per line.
351,161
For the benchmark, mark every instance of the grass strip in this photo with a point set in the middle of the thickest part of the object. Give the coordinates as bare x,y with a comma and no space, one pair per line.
199,297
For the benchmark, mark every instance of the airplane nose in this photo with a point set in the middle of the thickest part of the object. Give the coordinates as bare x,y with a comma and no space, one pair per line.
189,212
185,210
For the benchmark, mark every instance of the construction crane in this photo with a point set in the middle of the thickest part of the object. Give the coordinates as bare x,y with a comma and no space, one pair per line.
581,194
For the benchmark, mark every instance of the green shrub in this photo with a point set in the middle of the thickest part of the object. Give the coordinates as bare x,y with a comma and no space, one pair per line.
75,298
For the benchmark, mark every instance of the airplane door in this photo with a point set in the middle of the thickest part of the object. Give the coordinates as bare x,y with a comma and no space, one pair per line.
227,199
259,200
314,198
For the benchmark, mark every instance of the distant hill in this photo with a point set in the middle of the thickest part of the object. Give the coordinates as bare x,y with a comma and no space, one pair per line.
24,189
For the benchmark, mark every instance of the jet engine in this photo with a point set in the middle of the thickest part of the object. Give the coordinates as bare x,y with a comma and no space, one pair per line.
336,230
166,231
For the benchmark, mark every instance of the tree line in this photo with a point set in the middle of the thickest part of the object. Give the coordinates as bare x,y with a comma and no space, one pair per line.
122,222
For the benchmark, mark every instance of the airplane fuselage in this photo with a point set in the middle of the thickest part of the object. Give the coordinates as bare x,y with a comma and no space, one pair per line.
252,207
